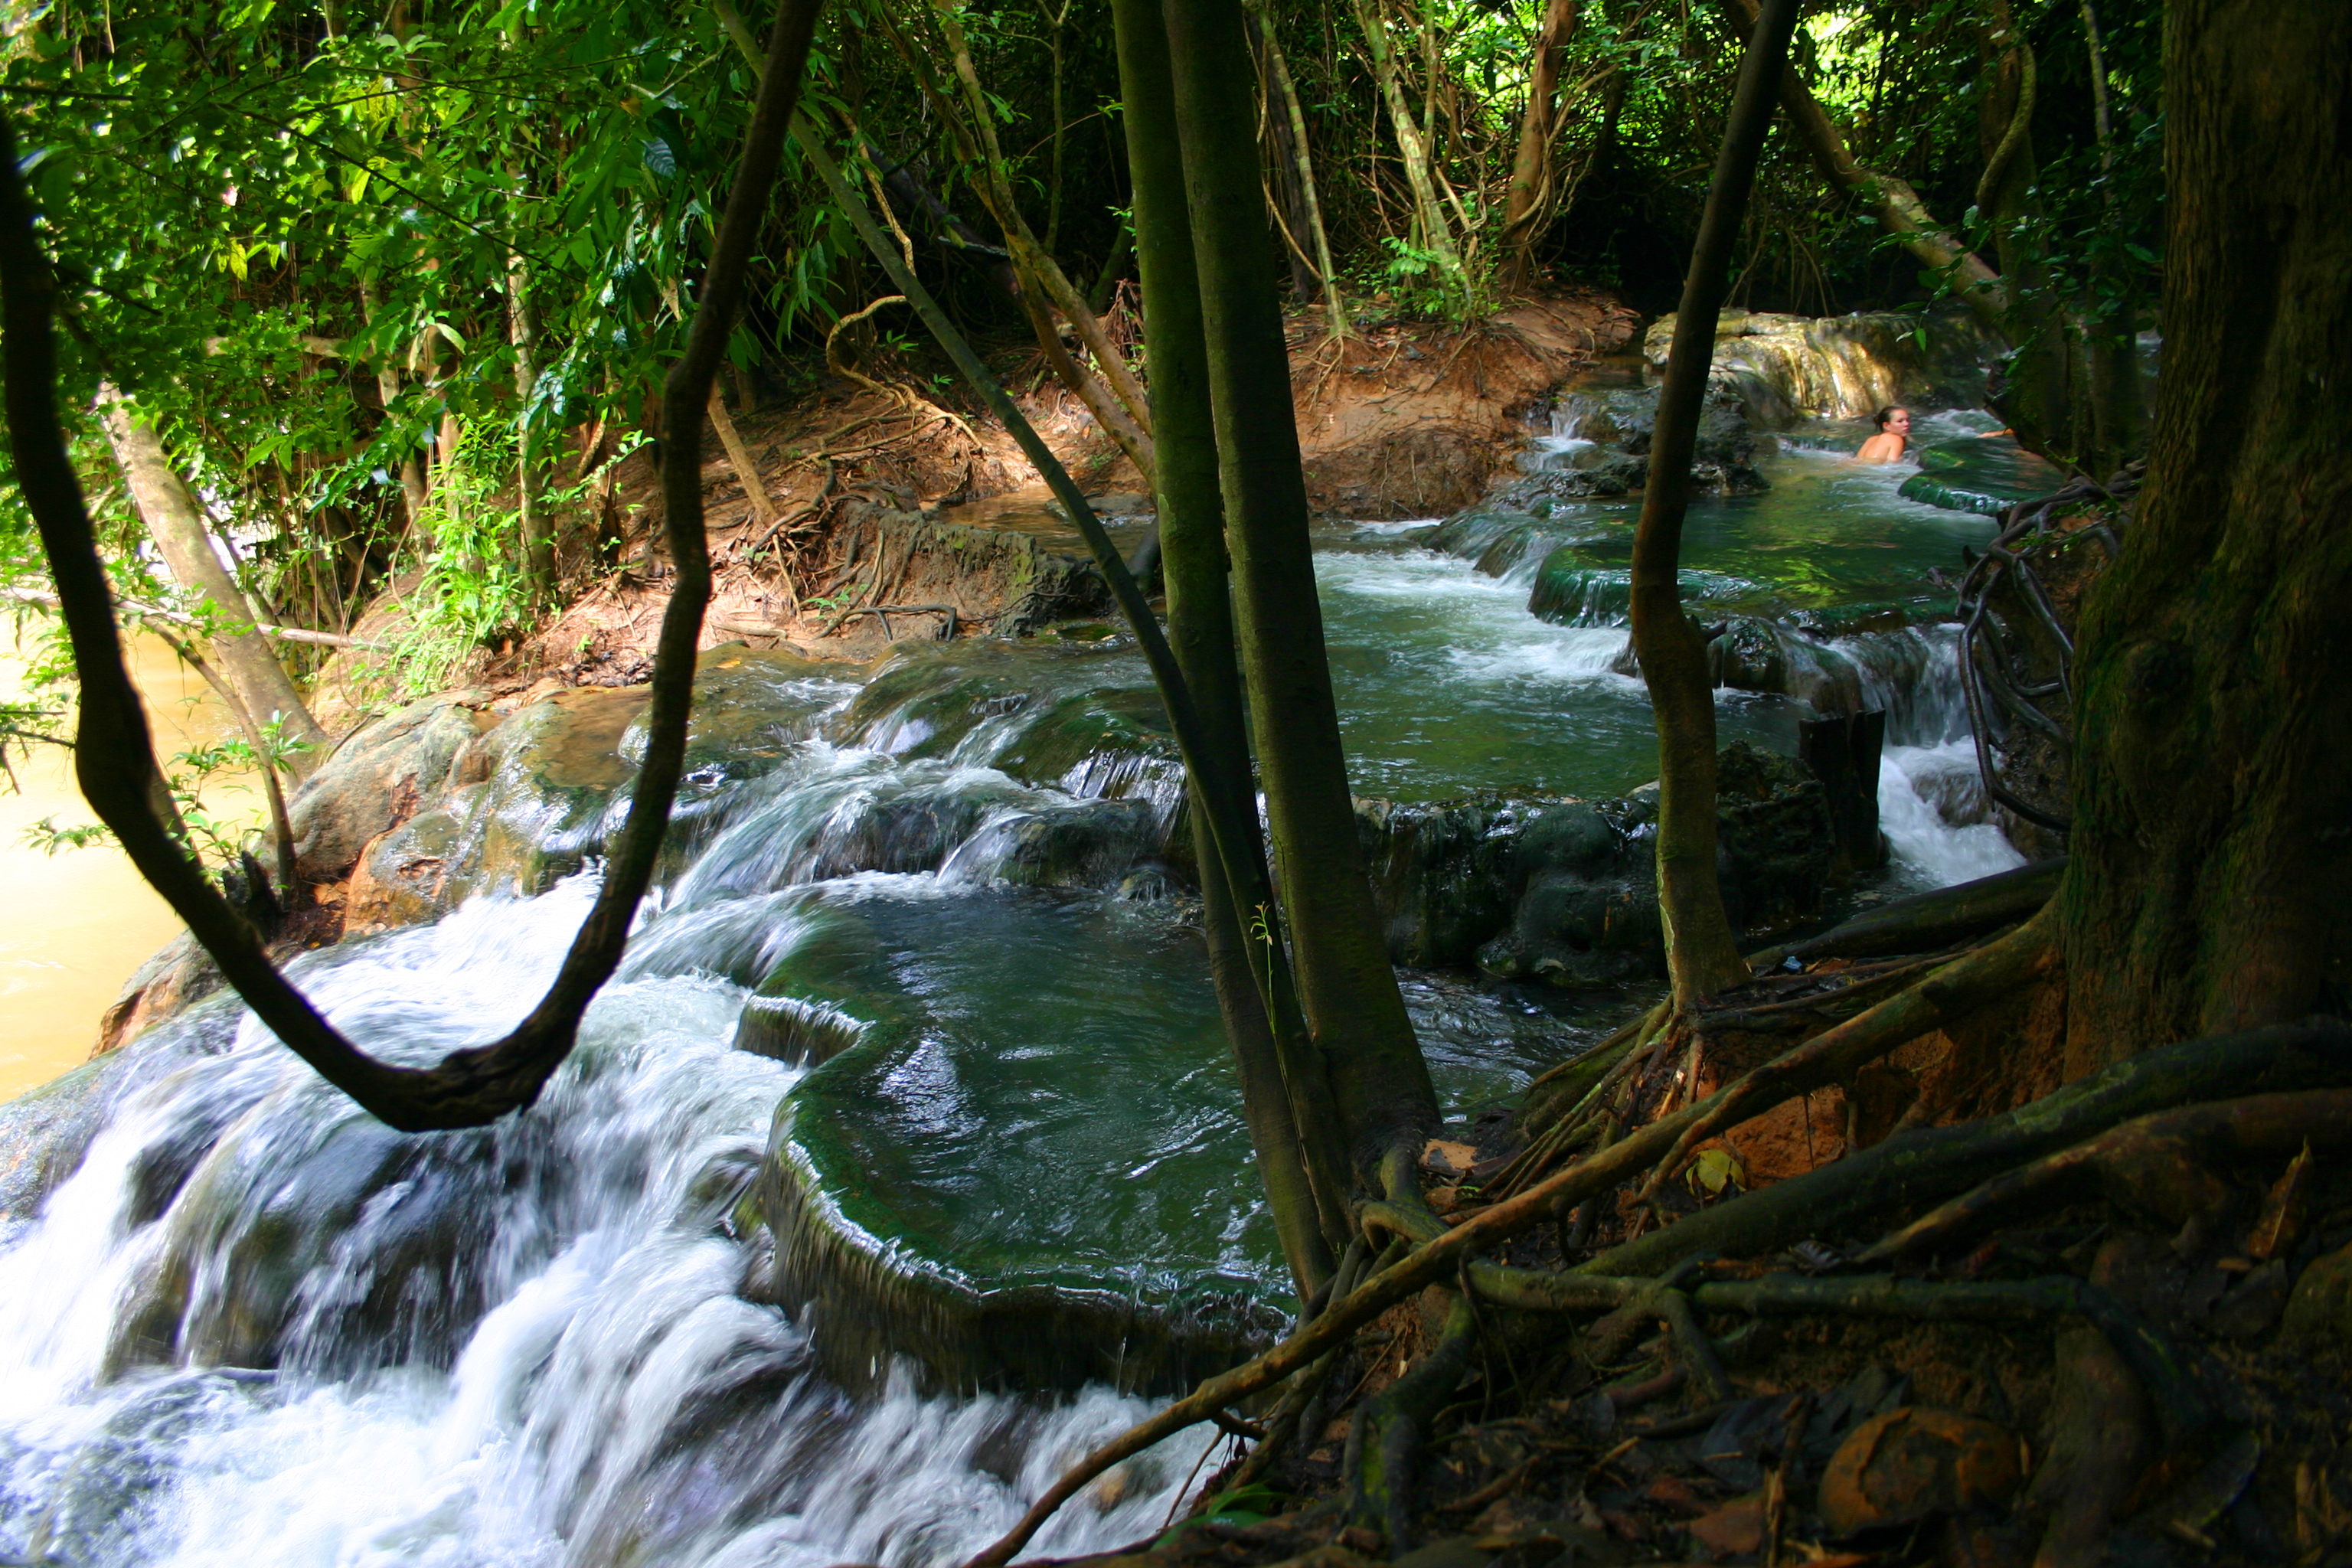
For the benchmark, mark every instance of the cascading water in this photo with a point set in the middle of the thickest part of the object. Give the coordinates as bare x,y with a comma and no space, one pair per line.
252,1325
256,1327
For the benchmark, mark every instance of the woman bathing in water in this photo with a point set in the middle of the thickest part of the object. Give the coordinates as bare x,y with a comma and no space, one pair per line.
1892,439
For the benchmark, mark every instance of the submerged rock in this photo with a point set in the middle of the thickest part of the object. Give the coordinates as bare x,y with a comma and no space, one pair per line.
1565,891
1014,1178
1983,477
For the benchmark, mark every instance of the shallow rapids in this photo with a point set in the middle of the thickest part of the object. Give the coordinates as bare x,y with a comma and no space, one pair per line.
527,1346
253,1326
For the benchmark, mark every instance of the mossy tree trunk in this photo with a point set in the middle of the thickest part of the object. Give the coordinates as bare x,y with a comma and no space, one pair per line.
1702,952
2211,844
185,539
1529,201
1199,614
1344,981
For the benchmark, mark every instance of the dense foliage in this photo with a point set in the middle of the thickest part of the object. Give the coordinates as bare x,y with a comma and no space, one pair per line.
367,271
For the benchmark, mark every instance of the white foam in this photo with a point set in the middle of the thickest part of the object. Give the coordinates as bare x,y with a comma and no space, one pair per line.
1930,808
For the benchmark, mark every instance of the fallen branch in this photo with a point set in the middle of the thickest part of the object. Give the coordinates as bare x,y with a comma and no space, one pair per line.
1926,922
134,608
1961,988
884,611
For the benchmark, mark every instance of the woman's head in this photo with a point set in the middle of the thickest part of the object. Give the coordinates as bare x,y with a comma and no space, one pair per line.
1894,418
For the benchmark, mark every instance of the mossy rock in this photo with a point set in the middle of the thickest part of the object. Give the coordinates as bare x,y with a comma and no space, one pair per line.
1933,490
1591,584
1110,742
1565,891
375,779
1004,1174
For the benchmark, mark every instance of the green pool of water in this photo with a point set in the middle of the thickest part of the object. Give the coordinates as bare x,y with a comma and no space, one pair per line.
1032,1094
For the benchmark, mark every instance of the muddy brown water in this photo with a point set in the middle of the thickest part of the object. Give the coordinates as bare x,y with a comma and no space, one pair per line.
75,925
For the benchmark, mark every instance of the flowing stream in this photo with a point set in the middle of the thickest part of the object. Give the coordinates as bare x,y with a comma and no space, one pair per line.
254,1326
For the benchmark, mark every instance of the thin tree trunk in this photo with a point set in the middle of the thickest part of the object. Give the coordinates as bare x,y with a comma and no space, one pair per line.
1033,273
1529,199
2205,887
1436,234
1283,190
1035,262
411,471
1200,631
185,538
1345,981
1294,114
281,826
1701,954
739,459
1057,21
1897,205
523,334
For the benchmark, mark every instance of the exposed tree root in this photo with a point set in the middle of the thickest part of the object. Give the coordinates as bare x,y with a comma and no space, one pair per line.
1924,1166
1385,1446
2141,1165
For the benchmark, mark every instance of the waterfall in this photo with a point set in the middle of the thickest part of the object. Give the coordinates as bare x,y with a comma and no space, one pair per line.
254,1326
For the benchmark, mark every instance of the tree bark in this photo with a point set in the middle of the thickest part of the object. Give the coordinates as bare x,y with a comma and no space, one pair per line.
1201,630
522,334
1412,148
185,538
739,459
1702,952
1529,198
2206,891
1896,204
1344,981
1293,115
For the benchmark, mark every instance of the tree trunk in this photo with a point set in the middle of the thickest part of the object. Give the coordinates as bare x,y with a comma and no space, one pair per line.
1701,954
2206,891
1039,270
185,541
1036,278
1896,204
739,459
538,535
1344,981
411,471
1293,114
1412,148
1282,145
1529,199
1200,626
